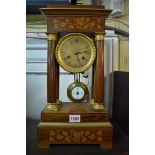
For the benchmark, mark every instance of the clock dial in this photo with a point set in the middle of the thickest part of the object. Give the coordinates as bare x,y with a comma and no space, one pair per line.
75,52
77,92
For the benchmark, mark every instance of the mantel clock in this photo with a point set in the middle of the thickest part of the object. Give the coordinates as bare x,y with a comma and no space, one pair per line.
76,43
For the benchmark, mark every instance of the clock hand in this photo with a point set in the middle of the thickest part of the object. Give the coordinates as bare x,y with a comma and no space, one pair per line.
77,93
82,49
80,52
76,53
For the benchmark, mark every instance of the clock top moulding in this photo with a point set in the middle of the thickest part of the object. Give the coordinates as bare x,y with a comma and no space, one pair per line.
75,18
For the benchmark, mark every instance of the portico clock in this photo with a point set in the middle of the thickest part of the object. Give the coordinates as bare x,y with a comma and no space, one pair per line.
80,48
75,52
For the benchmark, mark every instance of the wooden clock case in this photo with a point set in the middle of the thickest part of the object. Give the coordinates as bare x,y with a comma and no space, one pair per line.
95,126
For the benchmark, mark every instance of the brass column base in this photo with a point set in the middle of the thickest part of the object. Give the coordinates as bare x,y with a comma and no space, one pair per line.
96,106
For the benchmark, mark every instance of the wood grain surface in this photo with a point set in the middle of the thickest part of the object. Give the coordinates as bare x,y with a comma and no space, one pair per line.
98,70
52,74
66,109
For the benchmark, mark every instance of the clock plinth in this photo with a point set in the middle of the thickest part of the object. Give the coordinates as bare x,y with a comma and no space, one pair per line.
80,133
83,109
94,126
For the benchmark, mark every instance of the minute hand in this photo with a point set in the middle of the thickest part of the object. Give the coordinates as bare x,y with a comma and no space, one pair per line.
76,53
82,49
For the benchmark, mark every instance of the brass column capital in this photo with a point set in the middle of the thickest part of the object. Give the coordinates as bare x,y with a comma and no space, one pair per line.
99,35
52,36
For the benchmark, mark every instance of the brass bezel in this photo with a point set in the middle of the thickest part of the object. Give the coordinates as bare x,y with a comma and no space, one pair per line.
67,67
77,84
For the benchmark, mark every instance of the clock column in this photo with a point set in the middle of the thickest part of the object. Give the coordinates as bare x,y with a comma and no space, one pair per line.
98,81
52,70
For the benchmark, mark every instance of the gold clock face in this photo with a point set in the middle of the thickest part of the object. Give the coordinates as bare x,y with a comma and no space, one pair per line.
75,52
